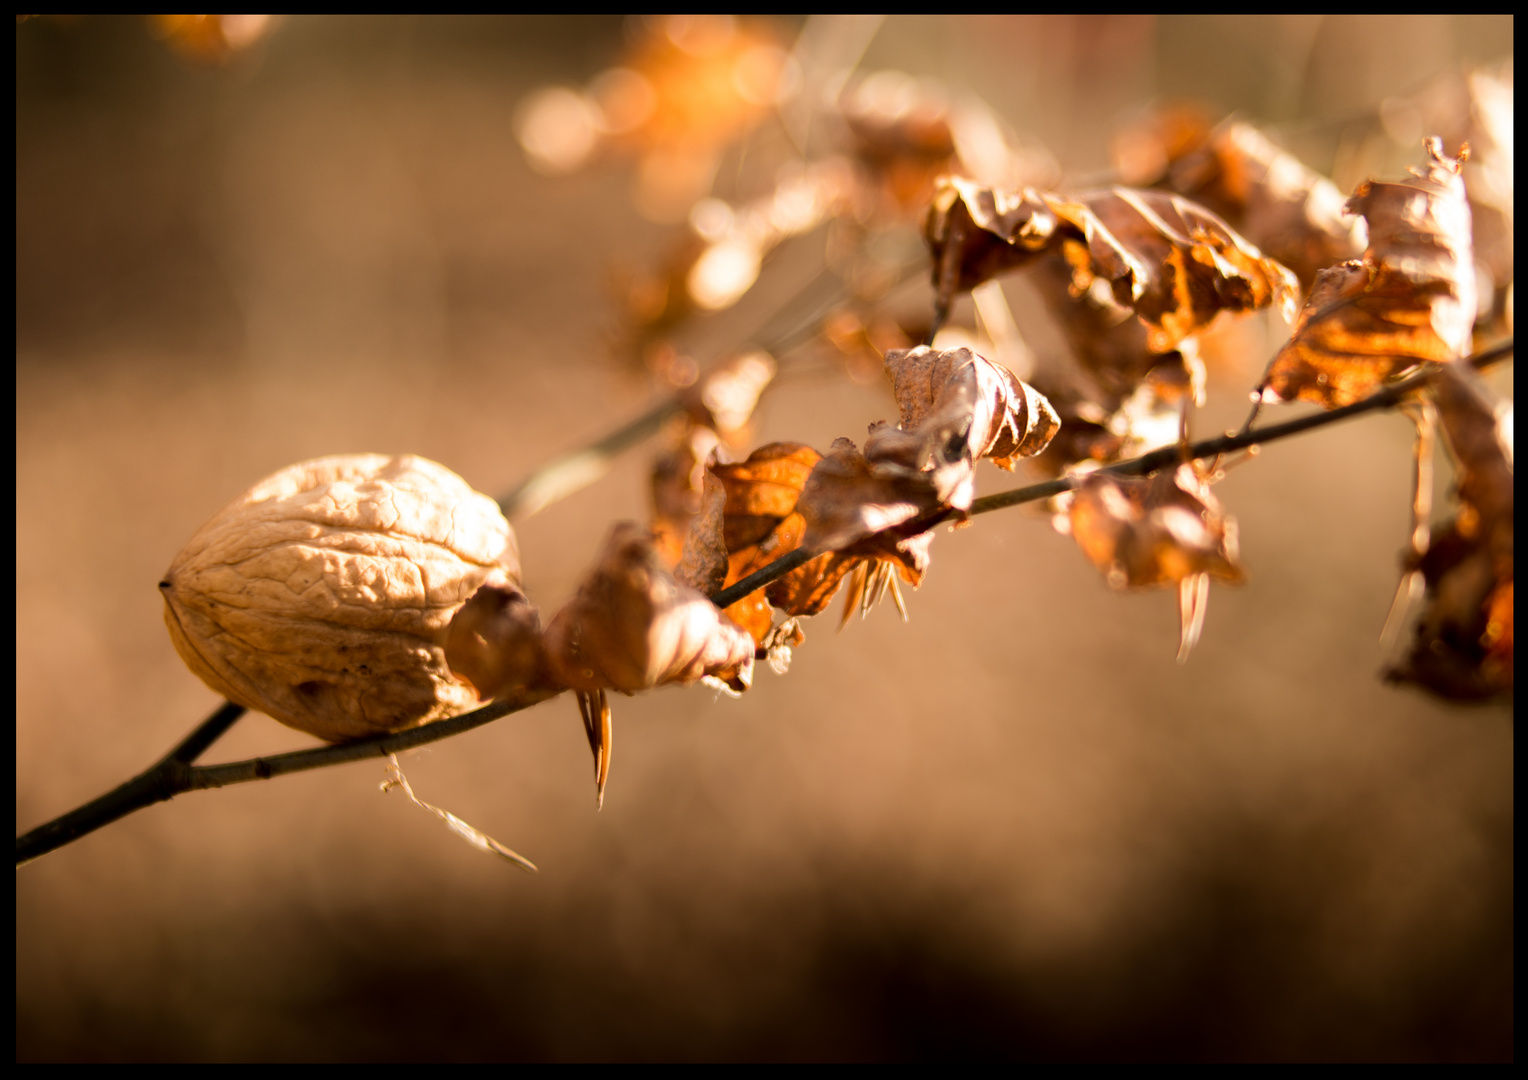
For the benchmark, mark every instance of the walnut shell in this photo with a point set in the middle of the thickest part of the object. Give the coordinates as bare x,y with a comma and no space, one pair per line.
321,596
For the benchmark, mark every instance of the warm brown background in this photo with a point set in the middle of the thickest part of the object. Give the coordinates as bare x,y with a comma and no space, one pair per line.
1011,829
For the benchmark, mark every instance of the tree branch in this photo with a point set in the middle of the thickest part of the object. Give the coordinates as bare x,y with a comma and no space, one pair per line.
174,774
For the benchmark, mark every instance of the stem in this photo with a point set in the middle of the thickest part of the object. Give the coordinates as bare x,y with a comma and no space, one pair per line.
762,577
174,774
321,757
208,732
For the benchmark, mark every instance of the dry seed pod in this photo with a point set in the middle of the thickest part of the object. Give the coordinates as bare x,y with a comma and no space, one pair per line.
632,627
322,595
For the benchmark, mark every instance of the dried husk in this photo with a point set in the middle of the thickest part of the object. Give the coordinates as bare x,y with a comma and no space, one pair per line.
632,626
322,595
494,642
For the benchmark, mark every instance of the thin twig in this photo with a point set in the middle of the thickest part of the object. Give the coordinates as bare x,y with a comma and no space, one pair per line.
174,774
207,732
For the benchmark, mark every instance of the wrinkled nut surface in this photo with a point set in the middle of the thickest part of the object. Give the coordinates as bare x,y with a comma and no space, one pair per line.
322,595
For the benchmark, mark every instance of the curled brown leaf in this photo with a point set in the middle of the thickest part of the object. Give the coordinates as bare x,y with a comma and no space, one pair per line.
955,407
941,393
678,485
1290,211
1116,396
632,627
1462,647
849,498
1172,262
718,408
1168,529
1473,106
763,524
760,521
976,233
1410,299
703,564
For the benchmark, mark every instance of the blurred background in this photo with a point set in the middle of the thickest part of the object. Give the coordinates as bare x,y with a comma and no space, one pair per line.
1013,828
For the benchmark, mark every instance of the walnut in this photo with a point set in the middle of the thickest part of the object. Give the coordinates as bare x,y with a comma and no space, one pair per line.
322,595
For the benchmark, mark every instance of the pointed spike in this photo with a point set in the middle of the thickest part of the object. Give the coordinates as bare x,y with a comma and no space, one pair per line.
882,581
1407,590
1193,598
852,594
586,713
602,757
896,598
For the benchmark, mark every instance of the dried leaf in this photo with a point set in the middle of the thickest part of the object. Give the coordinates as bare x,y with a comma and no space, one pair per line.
1168,529
1290,211
1110,353
849,499
703,566
1116,397
678,484
1478,430
1475,107
718,407
976,233
763,490
632,627
809,589
1463,644
942,394
761,524
1172,262
476,837
956,406
1410,299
